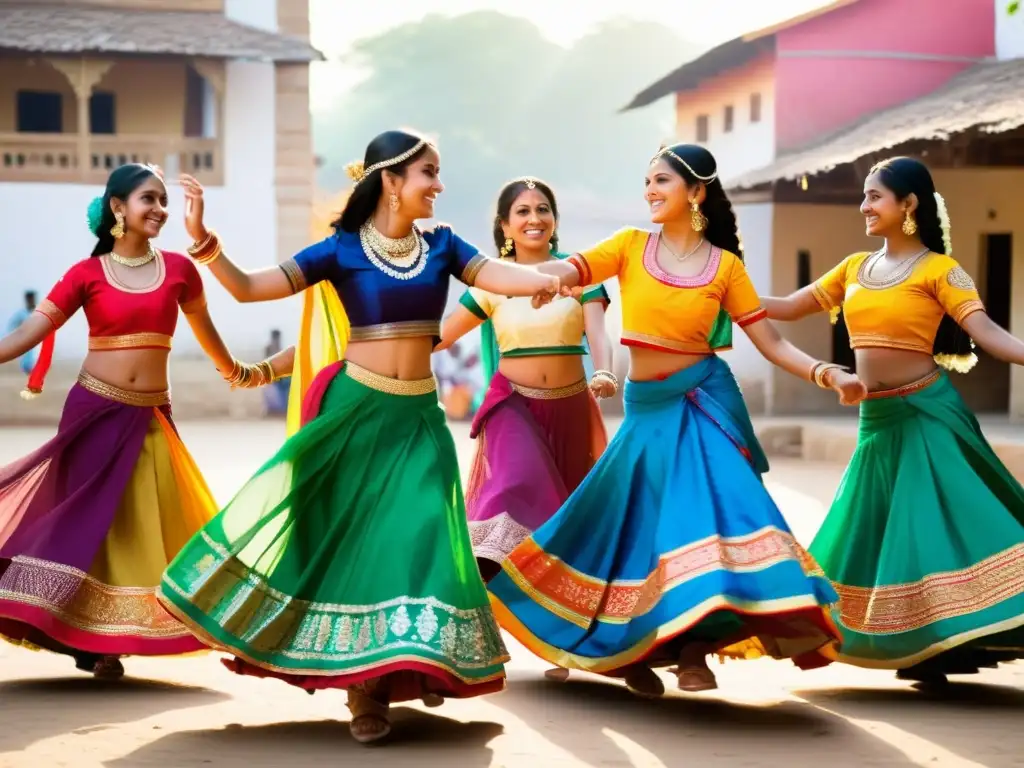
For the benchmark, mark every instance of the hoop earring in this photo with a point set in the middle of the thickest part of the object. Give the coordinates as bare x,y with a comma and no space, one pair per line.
394,202
697,220
118,229
909,225
507,248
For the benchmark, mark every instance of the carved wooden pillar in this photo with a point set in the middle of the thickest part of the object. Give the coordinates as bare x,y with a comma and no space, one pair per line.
84,74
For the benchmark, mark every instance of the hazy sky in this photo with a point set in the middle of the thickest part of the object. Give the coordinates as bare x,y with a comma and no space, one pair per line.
337,23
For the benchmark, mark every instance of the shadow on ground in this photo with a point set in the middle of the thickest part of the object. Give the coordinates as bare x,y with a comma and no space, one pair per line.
31,710
601,723
418,738
975,722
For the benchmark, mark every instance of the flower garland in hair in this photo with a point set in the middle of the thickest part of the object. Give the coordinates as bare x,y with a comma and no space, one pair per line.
940,205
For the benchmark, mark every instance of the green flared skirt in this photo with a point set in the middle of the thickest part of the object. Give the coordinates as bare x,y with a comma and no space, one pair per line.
924,541
347,557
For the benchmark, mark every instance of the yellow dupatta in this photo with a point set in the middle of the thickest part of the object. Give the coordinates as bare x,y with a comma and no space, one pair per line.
324,330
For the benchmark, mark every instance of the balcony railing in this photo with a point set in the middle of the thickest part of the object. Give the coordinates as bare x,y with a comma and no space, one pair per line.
56,158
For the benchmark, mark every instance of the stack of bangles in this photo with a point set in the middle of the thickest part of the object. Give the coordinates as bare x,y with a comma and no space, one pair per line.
245,376
820,374
606,376
206,251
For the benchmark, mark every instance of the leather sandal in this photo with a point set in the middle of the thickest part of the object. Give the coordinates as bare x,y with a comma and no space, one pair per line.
370,722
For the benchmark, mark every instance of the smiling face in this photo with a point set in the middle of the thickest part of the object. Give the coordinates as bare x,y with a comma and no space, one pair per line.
145,210
419,187
667,193
883,212
531,220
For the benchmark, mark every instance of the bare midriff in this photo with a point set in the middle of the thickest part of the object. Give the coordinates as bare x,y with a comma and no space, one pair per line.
543,371
650,364
881,369
135,370
407,359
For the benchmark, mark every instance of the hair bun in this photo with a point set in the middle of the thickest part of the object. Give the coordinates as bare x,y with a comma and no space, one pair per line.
355,170
94,215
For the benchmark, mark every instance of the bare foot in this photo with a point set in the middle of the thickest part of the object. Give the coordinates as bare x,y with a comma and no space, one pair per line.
370,721
558,674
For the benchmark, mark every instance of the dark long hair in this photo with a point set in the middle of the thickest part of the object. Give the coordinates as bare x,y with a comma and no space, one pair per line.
722,230
120,184
508,195
905,176
364,198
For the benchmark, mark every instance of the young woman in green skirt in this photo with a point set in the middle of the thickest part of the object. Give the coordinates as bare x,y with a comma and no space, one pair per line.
924,541
346,562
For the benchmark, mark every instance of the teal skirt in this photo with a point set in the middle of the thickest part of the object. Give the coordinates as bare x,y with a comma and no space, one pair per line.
924,541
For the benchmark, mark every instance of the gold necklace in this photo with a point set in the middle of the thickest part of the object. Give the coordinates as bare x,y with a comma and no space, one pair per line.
902,271
135,261
397,247
413,259
664,241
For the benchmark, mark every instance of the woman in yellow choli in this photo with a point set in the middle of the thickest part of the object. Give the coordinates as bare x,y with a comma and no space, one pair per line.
539,429
924,541
672,549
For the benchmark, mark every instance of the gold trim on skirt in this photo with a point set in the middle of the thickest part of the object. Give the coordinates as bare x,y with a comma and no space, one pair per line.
388,385
551,394
123,396
906,389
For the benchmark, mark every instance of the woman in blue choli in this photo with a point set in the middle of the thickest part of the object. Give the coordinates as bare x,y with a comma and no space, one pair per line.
671,549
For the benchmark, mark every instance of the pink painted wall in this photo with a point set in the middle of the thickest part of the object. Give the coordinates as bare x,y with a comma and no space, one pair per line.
818,95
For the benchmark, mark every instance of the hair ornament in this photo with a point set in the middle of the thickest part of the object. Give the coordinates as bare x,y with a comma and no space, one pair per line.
355,170
947,240
94,215
668,151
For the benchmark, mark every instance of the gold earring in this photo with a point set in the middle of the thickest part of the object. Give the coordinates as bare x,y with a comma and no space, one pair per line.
394,202
118,229
697,220
909,225
508,247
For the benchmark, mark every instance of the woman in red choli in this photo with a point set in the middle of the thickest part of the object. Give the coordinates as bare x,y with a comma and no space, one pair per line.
89,521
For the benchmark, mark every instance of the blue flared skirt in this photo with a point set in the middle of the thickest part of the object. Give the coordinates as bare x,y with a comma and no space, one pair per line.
672,538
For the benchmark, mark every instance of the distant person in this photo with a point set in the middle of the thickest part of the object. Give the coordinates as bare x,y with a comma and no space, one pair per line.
456,380
276,395
91,519
28,360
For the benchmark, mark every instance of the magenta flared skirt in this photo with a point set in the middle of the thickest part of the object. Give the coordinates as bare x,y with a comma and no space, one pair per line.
534,447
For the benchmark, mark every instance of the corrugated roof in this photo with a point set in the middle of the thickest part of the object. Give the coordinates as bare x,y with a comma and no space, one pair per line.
39,28
690,75
988,96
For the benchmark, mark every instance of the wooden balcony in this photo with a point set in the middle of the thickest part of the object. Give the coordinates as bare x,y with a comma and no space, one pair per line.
55,158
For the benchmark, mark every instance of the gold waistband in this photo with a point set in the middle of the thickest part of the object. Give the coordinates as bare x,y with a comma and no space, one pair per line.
388,385
558,393
123,396
130,341
906,389
404,330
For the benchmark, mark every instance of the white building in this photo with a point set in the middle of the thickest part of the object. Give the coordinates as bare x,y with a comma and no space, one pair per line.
215,88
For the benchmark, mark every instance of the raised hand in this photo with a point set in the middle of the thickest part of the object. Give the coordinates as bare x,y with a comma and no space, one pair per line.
194,207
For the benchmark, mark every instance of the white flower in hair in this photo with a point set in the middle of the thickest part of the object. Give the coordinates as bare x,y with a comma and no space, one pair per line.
947,241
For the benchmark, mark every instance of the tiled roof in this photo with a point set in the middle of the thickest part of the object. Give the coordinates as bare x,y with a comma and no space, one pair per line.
986,97
40,28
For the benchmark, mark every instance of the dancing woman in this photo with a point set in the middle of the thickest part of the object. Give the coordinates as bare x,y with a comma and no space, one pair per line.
90,520
346,561
924,541
539,429
671,549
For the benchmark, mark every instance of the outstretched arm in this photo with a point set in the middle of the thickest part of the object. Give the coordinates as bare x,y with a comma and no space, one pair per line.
780,352
793,307
995,340
29,335
456,325
508,279
213,345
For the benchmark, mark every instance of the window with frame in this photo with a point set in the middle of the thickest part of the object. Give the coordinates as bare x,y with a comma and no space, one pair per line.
727,118
702,128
